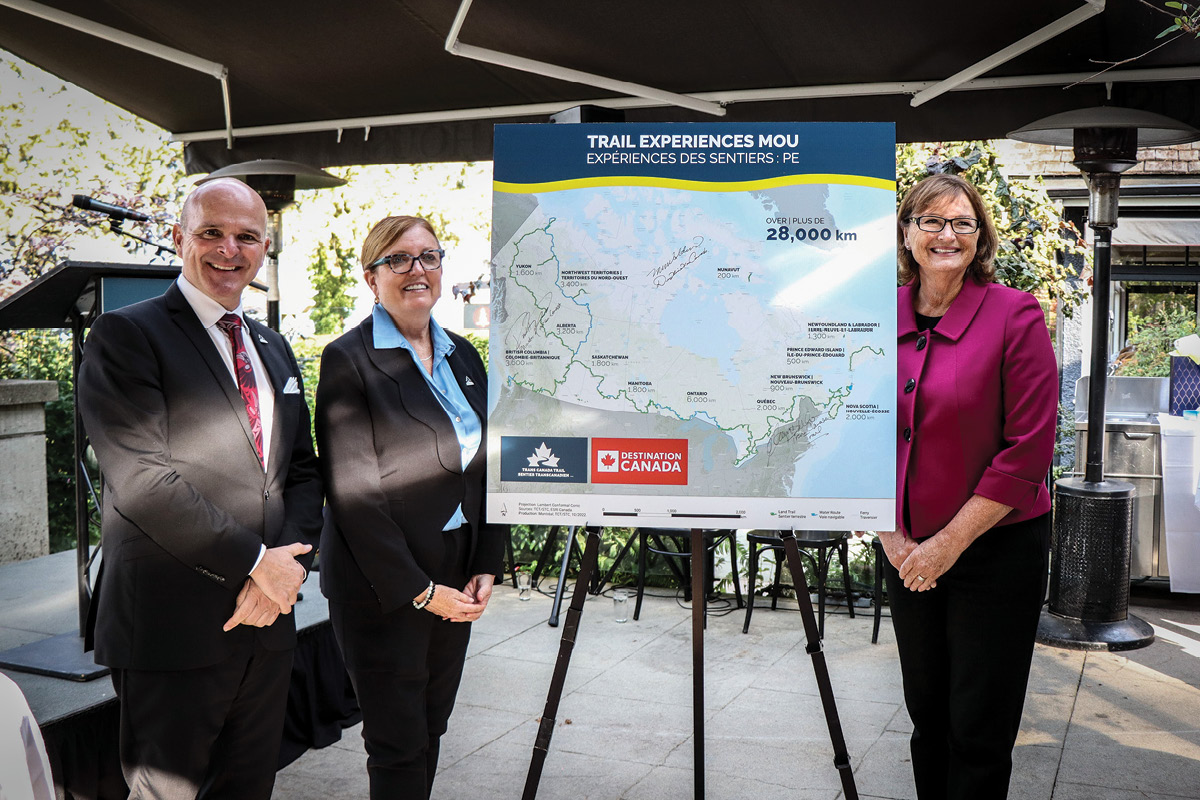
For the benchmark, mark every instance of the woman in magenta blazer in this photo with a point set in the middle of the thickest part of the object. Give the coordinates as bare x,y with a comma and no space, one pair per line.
977,412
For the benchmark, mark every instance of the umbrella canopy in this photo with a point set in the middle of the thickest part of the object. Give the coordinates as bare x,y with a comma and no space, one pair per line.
372,81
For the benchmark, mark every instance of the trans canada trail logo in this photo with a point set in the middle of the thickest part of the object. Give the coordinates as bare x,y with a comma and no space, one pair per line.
558,459
643,461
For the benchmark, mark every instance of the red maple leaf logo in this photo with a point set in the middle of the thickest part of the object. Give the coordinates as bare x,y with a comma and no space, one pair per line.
608,460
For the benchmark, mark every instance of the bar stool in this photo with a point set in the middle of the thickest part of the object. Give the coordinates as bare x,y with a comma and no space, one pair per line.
682,553
824,543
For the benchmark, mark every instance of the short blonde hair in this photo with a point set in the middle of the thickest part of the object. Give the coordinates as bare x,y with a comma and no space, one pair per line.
386,232
928,193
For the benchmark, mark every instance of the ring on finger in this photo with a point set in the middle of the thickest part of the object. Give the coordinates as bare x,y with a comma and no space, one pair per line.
921,578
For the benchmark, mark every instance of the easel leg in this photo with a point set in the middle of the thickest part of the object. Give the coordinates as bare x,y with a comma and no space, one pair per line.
544,555
568,547
841,758
542,745
699,599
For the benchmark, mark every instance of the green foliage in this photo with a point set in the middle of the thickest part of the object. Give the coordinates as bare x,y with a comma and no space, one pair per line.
58,141
1034,238
46,355
333,273
1186,20
1153,338
528,541
481,344
308,356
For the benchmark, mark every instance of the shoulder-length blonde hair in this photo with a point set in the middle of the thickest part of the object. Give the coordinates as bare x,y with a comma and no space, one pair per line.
386,232
926,194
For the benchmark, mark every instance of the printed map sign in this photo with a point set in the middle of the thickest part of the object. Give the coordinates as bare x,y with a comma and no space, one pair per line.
693,325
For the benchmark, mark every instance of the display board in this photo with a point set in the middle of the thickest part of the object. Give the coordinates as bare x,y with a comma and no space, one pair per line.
693,325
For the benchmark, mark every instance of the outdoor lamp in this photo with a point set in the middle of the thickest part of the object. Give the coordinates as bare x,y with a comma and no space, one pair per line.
1093,517
276,182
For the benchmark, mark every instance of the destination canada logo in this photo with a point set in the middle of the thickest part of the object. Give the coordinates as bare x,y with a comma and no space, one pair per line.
641,461
555,459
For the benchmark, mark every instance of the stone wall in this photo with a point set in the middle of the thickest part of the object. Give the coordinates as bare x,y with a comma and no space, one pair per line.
24,529
1022,158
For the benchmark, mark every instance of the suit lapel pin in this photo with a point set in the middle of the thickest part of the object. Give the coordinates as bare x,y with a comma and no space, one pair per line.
469,381
262,338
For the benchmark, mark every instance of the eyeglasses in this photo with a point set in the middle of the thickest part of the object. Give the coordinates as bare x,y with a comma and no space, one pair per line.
400,263
932,224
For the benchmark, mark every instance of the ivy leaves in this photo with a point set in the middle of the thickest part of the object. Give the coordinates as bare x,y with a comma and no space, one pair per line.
1036,243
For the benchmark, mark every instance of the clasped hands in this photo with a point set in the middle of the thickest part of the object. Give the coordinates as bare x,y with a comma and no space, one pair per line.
271,589
465,606
920,564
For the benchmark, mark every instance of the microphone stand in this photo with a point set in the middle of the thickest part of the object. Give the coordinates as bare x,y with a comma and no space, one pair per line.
114,225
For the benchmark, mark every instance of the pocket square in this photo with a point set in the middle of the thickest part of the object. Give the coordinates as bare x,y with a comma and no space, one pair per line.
292,386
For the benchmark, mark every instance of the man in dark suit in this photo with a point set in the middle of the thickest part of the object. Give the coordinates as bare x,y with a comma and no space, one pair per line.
212,500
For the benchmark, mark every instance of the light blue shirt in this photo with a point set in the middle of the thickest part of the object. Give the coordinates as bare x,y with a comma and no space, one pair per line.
444,386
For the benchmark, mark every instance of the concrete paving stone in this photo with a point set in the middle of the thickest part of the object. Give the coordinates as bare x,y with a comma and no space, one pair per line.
900,722
505,684
472,728
643,732
1164,762
501,768
15,637
600,642
1118,696
648,675
785,721
327,774
885,770
1082,791
859,670
1053,680
50,579
482,642
1034,770
674,783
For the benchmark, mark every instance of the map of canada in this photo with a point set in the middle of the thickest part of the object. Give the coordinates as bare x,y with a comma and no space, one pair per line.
756,324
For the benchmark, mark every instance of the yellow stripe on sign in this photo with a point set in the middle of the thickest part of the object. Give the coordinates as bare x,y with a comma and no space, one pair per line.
698,186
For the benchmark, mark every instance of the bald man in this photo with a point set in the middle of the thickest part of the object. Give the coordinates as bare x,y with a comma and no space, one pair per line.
212,503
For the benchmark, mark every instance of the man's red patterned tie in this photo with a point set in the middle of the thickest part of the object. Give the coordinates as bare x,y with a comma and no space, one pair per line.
232,325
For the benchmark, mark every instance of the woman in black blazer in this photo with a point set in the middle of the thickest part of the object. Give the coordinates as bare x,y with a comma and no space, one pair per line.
407,559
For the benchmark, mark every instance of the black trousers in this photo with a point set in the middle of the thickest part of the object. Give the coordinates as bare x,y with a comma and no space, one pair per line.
965,652
405,667
211,733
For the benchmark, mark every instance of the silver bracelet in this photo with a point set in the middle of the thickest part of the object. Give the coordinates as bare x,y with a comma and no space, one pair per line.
428,598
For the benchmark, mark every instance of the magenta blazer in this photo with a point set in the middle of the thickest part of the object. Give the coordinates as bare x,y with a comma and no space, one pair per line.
977,408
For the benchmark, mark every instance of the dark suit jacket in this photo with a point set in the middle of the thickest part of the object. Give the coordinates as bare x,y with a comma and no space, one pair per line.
186,502
393,467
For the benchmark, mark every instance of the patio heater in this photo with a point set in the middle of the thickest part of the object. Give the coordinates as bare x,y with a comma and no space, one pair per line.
1093,517
276,182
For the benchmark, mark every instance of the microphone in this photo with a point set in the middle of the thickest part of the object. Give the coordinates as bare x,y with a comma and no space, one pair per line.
116,212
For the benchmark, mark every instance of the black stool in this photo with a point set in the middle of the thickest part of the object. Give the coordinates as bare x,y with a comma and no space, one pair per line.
825,543
682,552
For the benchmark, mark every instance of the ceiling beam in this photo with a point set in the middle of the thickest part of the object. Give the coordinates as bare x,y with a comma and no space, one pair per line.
659,96
1090,9
831,91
